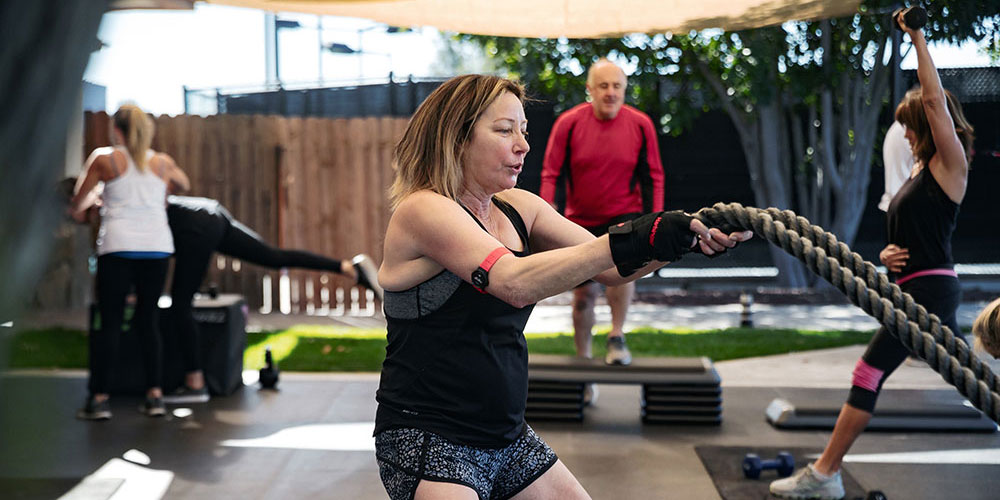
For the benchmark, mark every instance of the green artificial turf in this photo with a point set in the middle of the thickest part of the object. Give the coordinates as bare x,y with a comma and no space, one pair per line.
318,348
48,348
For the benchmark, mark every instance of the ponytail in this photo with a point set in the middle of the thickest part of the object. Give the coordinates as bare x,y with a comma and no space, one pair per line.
138,129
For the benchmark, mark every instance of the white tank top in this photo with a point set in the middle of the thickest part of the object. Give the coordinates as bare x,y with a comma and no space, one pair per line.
134,213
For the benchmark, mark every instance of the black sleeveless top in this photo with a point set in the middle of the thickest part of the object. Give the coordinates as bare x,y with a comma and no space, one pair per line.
921,218
456,362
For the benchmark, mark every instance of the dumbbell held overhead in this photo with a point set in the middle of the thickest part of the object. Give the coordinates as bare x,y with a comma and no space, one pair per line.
753,465
914,17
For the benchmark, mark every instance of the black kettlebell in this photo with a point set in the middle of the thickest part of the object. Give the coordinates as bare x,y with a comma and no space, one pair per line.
269,374
914,17
876,495
753,465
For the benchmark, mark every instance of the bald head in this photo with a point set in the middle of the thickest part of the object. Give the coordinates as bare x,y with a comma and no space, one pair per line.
606,85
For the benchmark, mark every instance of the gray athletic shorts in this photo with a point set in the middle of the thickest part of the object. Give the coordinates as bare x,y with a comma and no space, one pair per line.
405,456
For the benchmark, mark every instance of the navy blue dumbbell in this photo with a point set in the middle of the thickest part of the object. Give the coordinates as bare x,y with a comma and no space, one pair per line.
753,465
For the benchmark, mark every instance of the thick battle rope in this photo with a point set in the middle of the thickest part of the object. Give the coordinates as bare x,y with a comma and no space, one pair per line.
921,332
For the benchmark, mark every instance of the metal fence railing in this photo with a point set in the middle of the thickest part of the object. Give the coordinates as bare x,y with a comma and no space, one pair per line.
345,99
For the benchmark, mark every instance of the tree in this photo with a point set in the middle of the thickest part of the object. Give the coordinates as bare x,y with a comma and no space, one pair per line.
805,97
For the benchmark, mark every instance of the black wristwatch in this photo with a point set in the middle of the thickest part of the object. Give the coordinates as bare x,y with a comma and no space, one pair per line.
480,279
481,276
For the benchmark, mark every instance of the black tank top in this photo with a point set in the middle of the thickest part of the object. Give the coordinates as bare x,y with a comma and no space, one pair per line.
456,362
921,219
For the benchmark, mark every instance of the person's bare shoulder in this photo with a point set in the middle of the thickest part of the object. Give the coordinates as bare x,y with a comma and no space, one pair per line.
423,210
528,204
522,199
166,158
418,201
102,164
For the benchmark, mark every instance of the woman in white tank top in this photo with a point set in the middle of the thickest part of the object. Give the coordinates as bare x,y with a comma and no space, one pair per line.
133,247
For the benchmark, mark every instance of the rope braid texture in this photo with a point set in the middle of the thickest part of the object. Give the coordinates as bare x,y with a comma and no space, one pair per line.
921,332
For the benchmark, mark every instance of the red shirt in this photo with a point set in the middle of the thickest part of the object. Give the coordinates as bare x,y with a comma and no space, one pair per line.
611,163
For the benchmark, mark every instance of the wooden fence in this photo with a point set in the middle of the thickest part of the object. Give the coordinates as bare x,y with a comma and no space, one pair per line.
306,183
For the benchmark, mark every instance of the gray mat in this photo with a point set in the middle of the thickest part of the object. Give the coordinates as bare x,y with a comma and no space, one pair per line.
725,465
898,410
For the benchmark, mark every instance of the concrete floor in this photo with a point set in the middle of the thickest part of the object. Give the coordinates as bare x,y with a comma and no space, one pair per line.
312,439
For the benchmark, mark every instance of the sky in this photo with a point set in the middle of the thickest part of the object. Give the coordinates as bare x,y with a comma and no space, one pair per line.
150,56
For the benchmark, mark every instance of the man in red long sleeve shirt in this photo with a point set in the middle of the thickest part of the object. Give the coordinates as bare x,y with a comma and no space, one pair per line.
613,173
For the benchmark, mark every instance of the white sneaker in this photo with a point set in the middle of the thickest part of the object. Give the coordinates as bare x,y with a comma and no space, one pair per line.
185,395
589,394
809,484
367,273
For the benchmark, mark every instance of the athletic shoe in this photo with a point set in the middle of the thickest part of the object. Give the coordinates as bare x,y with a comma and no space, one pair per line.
809,484
153,407
92,410
618,353
364,266
589,394
187,395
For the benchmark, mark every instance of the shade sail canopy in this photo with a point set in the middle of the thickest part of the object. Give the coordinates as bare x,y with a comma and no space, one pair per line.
566,18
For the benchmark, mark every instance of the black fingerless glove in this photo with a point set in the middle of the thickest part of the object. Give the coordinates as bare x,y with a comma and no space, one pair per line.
725,227
663,236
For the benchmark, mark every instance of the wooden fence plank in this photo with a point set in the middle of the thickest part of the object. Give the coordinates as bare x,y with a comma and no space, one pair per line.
319,185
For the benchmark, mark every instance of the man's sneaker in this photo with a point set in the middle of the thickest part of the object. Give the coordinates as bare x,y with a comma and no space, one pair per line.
187,395
367,274
589,394
618,353
807,483
153,407
92,410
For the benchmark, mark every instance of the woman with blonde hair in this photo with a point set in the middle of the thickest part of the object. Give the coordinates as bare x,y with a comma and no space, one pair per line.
921,219
133,247
467,255
986,328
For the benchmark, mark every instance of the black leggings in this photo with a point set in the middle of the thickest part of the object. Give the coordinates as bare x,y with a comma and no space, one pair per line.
193,252
940,295
115,278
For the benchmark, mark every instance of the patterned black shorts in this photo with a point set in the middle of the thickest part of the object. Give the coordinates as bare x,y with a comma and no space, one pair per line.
405,456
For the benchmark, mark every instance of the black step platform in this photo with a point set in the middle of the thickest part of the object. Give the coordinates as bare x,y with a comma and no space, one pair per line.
898,410
674,390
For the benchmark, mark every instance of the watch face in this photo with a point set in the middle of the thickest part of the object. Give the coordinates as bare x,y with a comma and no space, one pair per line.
480,279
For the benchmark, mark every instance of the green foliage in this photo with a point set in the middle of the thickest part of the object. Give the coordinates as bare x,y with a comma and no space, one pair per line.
755,66
554,70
